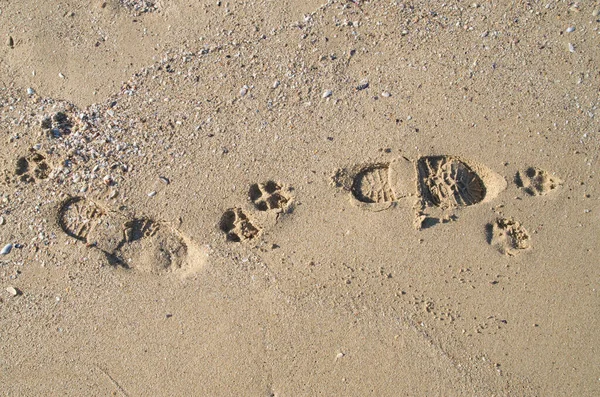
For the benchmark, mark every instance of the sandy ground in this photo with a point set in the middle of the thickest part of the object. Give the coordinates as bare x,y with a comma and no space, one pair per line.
296,198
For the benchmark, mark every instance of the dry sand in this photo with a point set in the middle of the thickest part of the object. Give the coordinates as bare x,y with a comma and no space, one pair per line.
296,199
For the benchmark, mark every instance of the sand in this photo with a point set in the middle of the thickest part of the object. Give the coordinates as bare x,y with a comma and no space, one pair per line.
299,198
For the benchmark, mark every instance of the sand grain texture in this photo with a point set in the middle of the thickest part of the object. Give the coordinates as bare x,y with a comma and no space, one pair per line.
190,214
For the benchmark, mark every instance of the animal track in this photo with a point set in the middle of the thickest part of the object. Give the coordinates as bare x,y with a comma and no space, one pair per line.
508,236
32,167
448,182
535,181
372,184
268,196
57,125
237,226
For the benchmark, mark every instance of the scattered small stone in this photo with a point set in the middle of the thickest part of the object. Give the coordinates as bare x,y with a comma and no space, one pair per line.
596,12
62,76
570,29
2,220
13,291
108,181
152,193
30,91
6,250
11,42
244,90
571,47
363,85
386,94
113,194
276,84
164,180
327,93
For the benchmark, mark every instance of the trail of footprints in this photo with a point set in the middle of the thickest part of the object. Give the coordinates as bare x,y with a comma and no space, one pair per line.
440,185
442,182
269,197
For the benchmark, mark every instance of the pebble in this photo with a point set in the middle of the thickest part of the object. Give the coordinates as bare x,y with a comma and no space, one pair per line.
2,220
386,94
113,194
11,42
571,47
327,93
164,180
276,84
596,12
13,291
244,90
570,29
363,85
152,194
6,250
62,76
30,91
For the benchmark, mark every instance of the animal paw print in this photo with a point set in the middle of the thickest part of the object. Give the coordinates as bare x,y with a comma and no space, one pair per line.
536,182
57,125
508,236
237,226
268,196
32,167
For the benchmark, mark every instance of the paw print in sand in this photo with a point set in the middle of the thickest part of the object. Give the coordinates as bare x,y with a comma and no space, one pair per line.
268,196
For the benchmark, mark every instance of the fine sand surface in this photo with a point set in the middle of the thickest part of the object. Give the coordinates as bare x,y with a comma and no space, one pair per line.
292,198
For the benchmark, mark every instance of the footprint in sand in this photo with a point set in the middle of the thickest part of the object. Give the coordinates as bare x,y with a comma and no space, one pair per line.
31,167
442,184
436,184
57,125
237,226
508,236
140,243
270,199
536,182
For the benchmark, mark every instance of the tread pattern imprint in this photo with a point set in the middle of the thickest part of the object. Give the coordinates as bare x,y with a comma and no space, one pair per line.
149,244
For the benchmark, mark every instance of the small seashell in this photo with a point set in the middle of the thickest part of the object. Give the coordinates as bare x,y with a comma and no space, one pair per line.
276,84
6,250
386,94
164,180
30,91
244,90
2,220
152,194
327,93
13,291
570,29
571,47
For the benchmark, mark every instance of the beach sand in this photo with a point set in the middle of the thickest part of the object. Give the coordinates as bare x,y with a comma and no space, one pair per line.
266,198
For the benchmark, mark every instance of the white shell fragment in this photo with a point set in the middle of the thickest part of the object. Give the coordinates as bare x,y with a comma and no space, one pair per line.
6,250
327,93
13,291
